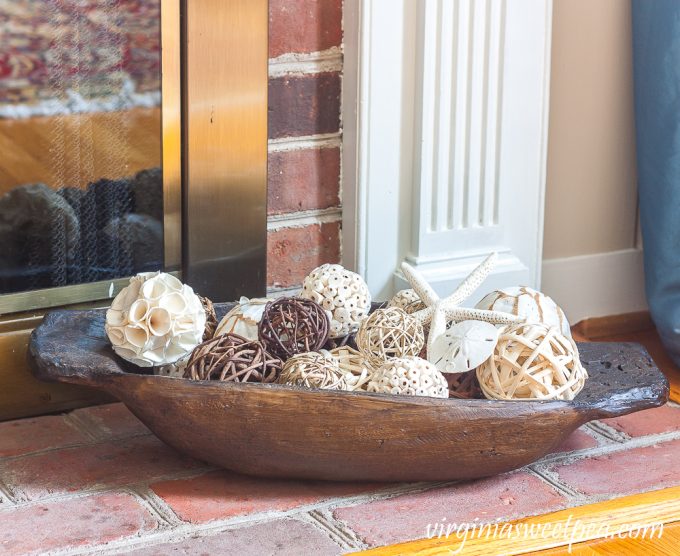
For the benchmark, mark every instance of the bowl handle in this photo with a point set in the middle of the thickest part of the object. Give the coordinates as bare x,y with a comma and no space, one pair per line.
71,346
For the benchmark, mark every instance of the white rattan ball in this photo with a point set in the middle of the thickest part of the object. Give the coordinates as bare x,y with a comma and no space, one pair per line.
409,376
243,318
532,361
155,320
339,369
526,302
343,293
389,333
407,300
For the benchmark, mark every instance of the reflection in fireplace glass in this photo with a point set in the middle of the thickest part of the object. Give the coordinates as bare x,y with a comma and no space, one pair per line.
81,195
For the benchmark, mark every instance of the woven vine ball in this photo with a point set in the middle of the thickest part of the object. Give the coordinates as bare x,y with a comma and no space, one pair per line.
464,385
407,300
292,325
232,358
409,376
210,318
389,333
342,293
532,361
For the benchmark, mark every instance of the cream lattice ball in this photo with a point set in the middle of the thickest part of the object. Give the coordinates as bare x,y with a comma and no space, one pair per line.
532,361
409,376
389,333
156,320
243,318
526,302
343,293
407,300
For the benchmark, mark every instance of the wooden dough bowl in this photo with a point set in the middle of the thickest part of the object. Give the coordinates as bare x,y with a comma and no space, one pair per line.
280,431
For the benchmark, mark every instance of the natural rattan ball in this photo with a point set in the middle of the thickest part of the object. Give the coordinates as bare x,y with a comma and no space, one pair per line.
313,370
210,318
230,357
389,333
291,325
532,362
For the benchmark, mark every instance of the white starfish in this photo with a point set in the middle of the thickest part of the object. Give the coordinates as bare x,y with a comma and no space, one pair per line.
440,311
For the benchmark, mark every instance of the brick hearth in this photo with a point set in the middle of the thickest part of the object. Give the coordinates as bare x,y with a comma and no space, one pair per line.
96,481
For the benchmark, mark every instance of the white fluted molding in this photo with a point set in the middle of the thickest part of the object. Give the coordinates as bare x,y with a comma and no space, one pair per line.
449,140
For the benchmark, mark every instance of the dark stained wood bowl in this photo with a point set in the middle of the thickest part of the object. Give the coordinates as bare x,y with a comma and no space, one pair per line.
280,431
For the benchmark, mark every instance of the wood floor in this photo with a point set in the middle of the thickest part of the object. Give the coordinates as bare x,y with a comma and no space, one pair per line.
668,544
73,150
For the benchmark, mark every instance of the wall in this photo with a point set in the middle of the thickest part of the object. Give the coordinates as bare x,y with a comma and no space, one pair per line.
305,136
591,264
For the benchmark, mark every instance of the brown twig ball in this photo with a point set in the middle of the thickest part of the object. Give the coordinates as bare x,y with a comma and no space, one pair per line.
464,385
291,325
390,333
231,357
210,318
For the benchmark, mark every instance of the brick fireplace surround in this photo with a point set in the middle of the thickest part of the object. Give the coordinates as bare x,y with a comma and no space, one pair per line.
305,138
95,481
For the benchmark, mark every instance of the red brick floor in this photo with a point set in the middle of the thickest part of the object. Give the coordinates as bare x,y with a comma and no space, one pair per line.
95,481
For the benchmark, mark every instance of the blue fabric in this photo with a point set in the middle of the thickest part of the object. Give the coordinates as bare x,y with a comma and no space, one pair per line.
656,49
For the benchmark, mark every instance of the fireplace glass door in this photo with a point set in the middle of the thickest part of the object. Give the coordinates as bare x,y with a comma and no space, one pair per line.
81,178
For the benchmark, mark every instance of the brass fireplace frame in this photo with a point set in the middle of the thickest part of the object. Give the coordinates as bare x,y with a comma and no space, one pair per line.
214,96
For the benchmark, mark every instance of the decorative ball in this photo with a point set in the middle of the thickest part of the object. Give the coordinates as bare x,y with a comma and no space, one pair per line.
313,370
389,333
243,318
407,300
532,362
526,302
356,368
463,346
155,320
409,376
174,370
232,358
291,325
464,386
341,292
210,318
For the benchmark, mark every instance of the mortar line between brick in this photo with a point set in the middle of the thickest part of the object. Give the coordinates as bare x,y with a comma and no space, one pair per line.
325,140
4,459
303,218
155,505
638,442
7,495
25,501
552,480
608,432
94,431
336,529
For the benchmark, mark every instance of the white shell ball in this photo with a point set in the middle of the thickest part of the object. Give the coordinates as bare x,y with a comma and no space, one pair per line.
409,376
243,318
342,293
156,320
526,302
464,346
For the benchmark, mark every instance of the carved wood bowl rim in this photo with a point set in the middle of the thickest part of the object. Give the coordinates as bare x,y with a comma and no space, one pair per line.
71,346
